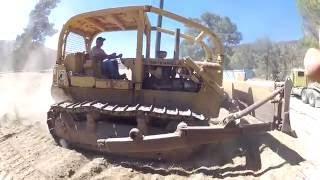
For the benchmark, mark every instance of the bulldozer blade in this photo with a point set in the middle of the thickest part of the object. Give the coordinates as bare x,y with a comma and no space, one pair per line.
266,104
286,126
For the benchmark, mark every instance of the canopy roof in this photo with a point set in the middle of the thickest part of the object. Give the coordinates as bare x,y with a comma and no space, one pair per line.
114,19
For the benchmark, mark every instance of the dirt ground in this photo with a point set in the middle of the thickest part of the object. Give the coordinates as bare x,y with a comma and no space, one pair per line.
27,151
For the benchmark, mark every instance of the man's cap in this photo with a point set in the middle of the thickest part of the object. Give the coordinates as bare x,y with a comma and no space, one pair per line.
101,39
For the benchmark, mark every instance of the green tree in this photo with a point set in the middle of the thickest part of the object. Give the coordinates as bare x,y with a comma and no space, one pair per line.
264,56
243,57
34,35
310,11
267,58
225,29
291,56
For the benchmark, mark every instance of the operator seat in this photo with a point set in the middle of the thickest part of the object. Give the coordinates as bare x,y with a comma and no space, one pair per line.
92,67
74,62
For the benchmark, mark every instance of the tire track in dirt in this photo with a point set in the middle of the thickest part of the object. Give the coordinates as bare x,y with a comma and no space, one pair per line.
14,162
29,153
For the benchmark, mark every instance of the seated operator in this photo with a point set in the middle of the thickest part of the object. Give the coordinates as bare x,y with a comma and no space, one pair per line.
110,67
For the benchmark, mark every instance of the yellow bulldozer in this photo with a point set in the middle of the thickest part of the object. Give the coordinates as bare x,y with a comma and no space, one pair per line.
167,107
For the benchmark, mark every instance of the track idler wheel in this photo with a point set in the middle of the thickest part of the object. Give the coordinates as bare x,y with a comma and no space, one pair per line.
135,134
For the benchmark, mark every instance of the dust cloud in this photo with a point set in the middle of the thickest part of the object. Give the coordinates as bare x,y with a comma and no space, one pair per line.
25,94
25,75
24,97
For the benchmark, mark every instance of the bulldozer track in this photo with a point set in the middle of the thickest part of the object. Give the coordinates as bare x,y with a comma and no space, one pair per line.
127,110
131,112
109,115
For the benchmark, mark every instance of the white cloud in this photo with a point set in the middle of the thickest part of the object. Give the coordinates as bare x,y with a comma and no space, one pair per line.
14,16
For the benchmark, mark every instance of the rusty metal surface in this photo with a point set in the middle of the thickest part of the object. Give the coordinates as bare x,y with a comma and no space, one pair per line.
286,126
184,138
82,123
252,107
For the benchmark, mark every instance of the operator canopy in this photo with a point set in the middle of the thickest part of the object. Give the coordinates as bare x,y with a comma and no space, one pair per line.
128,18
115,19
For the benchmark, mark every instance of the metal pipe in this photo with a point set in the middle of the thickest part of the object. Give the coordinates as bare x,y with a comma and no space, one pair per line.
218,50
257,104
177,45
158,38
251,108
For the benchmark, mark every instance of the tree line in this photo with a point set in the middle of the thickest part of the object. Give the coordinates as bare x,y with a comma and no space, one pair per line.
268,59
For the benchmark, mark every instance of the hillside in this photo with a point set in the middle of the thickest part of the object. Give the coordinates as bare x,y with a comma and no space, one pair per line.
40,58
268,58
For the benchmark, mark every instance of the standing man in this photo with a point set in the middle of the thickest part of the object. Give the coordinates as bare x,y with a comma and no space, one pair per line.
106,63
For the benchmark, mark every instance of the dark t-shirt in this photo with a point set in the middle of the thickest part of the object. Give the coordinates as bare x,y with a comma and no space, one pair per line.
97,53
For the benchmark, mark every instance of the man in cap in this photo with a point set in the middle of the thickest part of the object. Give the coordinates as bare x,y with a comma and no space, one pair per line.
109,63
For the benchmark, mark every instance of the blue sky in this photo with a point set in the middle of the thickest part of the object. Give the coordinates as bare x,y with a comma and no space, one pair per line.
276,19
